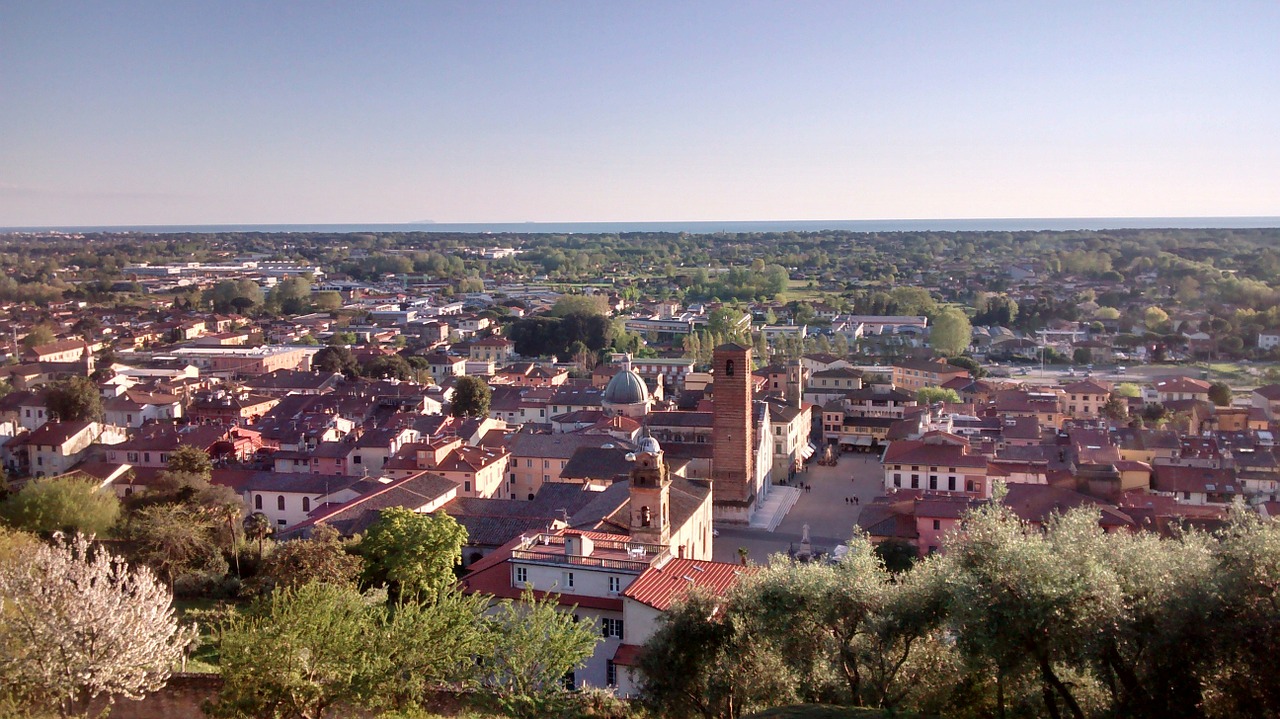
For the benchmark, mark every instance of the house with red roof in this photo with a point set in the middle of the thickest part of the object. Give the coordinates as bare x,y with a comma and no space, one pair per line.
610,555
938,462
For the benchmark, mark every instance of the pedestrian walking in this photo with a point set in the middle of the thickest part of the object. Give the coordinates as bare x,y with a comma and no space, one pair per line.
855,500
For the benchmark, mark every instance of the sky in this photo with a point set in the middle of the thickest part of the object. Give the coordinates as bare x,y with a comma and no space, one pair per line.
172,112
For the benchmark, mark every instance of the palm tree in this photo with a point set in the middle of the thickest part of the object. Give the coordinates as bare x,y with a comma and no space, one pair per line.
229,512
257,527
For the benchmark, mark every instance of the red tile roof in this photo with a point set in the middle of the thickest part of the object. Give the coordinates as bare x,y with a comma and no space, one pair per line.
661,587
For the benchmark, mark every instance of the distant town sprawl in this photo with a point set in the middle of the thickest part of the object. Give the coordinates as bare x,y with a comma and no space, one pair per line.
594,410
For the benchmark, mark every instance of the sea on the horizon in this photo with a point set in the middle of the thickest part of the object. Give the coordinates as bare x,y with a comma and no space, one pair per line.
708,227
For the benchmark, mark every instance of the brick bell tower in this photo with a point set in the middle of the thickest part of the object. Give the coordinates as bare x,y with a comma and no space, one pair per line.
650,495
732,457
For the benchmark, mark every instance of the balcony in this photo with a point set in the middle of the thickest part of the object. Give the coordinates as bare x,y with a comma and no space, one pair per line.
557,549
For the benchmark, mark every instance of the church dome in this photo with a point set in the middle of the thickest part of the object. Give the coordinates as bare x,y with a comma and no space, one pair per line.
626,387
649,444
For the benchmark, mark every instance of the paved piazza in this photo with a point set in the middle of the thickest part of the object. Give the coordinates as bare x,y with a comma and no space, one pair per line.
831,520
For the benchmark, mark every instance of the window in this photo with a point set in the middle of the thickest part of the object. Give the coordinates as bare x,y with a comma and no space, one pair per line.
281,522
933,481
951,484
146,457
356,459
306,504
280,503
915,481
610,673
897,481
615,584
937,524
522,575
611,628
466,486
568,580
164,458
131,456
257,501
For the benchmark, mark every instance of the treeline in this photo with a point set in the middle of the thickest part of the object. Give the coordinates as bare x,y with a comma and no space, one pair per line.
1015,620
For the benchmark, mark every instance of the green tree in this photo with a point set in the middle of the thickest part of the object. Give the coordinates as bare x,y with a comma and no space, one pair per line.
972,365
76,399
326,301
65,504
897,555
1155,318
932,395
1081,355
435,644
413,553
951,332
471,397
337,358
176,541
191,460
238,296
1127,389
39,335
290,296
257,527
702,662
579,305
535,645
388,367
1030,603
298,652
321,558
1220,394
1116,408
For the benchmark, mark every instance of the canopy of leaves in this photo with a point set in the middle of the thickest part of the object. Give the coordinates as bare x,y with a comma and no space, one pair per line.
413,553
951,332
190,460
61,504
75,399
471,397
323,558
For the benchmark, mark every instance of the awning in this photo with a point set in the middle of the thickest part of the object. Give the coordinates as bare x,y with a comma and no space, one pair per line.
807,451
863,442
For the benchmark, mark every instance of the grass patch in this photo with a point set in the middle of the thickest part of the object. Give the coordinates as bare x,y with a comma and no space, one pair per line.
205,613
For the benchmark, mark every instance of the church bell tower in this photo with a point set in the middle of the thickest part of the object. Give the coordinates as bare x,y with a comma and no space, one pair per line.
650,495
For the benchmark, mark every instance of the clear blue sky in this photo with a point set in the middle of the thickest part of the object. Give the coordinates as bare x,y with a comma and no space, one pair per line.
261,112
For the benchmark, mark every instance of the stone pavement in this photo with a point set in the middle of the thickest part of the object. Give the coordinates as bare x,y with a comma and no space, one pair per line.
830,518
773,510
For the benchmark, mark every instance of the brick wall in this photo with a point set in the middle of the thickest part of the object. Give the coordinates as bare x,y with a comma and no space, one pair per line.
732,460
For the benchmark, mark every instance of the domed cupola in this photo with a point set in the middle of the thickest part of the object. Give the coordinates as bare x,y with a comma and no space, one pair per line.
626,394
